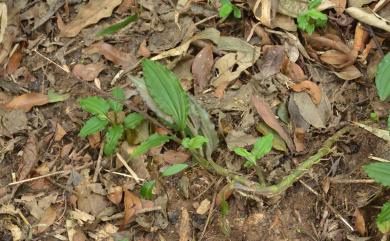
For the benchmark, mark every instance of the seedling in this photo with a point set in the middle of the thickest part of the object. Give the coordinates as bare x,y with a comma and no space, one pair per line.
311,19
108,116
262,147
228,8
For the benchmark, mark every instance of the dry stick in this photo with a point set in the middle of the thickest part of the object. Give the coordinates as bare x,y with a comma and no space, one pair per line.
98,164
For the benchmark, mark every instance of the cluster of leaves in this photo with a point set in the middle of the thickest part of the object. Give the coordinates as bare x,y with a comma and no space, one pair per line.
311,19
228,8
108,115
262,147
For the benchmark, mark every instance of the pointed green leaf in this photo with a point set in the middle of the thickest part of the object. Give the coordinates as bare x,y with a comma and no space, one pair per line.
225,10
379,171
113,135
115,106
174,169
147,189
382,79
194,143
54,97
133,120
236,12
92,126
314,4
166,91
117,26
277,141
154,140
242,152
262,146
224,207
118,94
383,219
95,105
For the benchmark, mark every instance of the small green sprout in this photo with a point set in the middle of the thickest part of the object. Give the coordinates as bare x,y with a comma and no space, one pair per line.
312,18
227,8
262,147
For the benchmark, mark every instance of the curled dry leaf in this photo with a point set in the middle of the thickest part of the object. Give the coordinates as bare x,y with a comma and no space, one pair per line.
348,73
113,54
88,72
201,67
368,17
294,71
88,14
269,118
299,139
309,87
47,219
132,204
26,101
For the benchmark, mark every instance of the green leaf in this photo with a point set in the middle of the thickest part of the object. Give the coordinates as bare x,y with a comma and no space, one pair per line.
92,126
224,207
174,169
382,79
250,158
147,189
383,219
117,26
194,143
115,106
154,140
236,12
133,120
118,94
95,105
166,91
113,135
277,141
53,97
262,146
225,10
314,4
379,171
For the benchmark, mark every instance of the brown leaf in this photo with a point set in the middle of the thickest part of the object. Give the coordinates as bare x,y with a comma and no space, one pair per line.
311,88
175,157
185,226
47,219
94,140
269,118
143,50
29,158
26,101
224,194
334,57
88,72
326,185
113,54
299,139
360,224
88,14
348,73
272,61
60,132
115,194
294,71
79,236
14,61
132,204
339,5
201,67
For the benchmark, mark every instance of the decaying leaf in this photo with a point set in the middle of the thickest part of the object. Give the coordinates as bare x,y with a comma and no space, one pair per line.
201,67
277,141
204,206
132,204
368,17
175,157
348,73
27,101
185,226
309,87
14,61
113,54
12,122
360,223
88,14
114,194
339,5
238,138
299,139
88,72
29,158
47,219
272,60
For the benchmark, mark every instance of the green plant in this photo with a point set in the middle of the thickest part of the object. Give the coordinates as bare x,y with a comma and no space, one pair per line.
194,143
312,18
380,172
117,26
108,115
261,148
228,8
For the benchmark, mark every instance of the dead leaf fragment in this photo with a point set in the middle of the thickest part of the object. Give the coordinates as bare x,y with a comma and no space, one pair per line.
175,157
14,61
309,87
201,67
348,73
224,194
26,101
360,224
339,5
132,204
60,132
115,194
299,139
29,158
113,54
88,72
203,207
47,219
185,226
368,17
88,14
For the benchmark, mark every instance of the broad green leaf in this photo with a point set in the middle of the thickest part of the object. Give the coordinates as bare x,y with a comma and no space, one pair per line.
165,89
115,106
225,10
92,126
154,140
113,135
277,141
242,152
383,219
224,207
147,189
95,105
118,94
262,146
117,26
236,12
317,15
382,79
133,120
174,169
379,171
194,143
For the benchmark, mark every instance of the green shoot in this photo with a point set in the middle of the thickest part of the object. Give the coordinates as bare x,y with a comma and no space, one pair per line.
262,147
117,26
228,8
312,18
147,189
194,143
174,169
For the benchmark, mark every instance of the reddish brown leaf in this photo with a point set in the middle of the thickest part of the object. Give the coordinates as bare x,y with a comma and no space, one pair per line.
88,72
115,194
94,140
60,132
29,158
14,61
224,194
269,118
26,101
339,5
143,50
79,236
311,88
201,67
294,71
47,219
299,139
175,157
334,57
132,204
348,73
360,224
113,54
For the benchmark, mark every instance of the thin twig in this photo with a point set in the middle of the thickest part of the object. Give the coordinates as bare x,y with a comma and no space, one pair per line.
349,181
98,164
208,217
132,173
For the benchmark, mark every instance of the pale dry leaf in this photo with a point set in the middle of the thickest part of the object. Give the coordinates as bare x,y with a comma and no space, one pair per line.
113,54
29,158
348,73
201,68
339,5
88,72
359,3
238,138
26,101
309,87
115,194
368,17
299,139
265,112
185,226
47,219
383,134
203,207
4,20
175,157
360,223
334,57
16,233
88,14
60,132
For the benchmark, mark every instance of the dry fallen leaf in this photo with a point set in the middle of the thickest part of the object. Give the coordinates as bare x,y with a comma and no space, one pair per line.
272,60
114,194
339,5
88,14
294,71
88,72
334,57
203,207
113,54
143,50
368,17
14,61
185,226
348,73
224,194
60,132
132,204
79,236
360,224
47,219
201,67
175,157
309,87
299,139
29,158
26,101
269,118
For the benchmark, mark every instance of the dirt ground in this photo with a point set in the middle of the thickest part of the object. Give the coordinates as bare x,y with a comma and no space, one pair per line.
73,192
